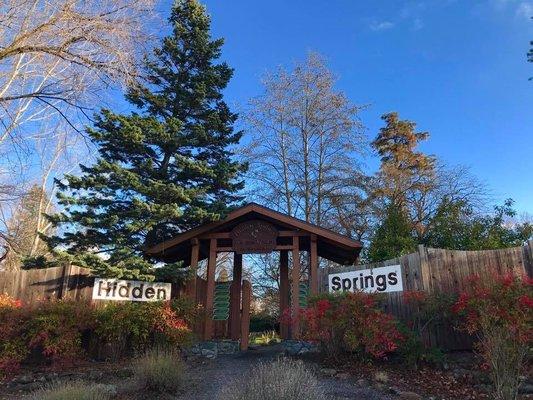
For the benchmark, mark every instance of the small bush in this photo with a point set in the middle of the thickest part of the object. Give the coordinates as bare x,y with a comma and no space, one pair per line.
160,370
133,328
500,313
349,322
262,322
73,391
50,331
280,380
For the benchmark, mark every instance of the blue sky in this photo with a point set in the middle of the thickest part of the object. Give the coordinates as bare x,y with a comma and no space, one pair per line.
457,68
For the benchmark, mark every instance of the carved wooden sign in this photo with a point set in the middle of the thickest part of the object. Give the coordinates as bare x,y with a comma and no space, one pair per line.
254,237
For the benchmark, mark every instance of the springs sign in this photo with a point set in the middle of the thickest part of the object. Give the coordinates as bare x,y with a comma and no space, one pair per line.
382,280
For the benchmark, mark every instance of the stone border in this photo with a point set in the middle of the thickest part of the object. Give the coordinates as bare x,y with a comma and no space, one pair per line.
211,349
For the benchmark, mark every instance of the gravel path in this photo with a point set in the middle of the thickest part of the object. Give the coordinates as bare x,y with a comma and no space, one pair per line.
211,376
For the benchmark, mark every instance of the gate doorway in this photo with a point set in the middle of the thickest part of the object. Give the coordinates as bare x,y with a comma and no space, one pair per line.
253,229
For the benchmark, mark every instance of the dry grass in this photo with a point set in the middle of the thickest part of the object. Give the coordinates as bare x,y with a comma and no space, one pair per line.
161,371
280,380
73,391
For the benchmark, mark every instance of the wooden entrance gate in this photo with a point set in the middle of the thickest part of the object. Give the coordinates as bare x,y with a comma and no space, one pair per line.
254,229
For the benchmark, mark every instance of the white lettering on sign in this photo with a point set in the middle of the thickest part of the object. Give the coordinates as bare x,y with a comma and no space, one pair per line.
382,280
114,289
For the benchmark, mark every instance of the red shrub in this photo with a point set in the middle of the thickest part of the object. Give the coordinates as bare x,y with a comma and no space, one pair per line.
53,330
506,301
350,322
500,313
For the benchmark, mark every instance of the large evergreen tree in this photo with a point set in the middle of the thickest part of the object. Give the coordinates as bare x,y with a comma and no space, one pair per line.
161,170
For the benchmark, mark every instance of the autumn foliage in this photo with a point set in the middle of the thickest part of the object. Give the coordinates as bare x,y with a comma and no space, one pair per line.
500,312
60,332
351,322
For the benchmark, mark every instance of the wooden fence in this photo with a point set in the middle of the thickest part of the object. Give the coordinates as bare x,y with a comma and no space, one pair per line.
430,270
66,282
445,271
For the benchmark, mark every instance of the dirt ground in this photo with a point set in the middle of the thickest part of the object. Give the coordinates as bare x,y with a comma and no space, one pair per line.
206,378
211,376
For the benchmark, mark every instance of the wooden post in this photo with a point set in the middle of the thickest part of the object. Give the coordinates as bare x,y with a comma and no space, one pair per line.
235,298
283,290
529,260
210,292
191,286
295,307
424,269
245,317
313,266
65,277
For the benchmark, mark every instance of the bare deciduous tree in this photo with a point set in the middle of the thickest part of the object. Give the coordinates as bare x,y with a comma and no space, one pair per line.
56,60
305,136
55,54
55,151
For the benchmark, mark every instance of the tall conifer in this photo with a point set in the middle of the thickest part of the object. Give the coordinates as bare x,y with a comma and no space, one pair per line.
160,170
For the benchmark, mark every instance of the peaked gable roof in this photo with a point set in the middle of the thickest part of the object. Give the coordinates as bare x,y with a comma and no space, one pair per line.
326,237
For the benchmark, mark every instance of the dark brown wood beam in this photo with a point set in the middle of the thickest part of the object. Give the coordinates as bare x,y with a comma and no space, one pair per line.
295,297
235,298
313,267
227,235
283,290
245,316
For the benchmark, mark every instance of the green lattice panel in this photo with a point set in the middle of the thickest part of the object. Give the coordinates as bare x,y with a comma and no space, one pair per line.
304,293
221,301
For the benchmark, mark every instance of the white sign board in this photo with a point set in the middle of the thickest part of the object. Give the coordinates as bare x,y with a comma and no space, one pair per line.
381,280
115,289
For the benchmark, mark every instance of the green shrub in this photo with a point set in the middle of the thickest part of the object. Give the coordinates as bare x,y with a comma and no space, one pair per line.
73,391
160,370
280,380
57,332
413,352
133,328
263,322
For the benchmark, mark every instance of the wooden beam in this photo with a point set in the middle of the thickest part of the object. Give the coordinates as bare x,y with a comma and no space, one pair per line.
292,233
225,249
227,235
282,247
216,235
235,298
283,290
229,249
245,317
191,285
313,267
295,297
210,292
67,272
